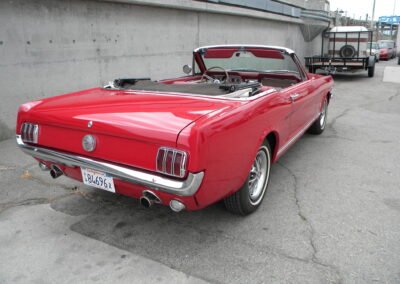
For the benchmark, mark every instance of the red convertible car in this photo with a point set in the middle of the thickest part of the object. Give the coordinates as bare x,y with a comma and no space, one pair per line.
186,142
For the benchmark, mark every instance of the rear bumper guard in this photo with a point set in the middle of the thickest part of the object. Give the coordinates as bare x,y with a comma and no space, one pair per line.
187,187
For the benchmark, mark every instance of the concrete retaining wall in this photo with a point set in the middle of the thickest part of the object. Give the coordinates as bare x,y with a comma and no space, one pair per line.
50,47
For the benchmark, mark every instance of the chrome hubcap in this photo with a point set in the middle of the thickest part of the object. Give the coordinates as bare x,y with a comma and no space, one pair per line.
258,176
323,116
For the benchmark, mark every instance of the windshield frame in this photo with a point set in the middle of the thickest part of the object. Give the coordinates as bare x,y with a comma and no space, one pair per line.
288,55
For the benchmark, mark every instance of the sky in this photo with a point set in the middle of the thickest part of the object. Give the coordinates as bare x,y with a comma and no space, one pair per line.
357,8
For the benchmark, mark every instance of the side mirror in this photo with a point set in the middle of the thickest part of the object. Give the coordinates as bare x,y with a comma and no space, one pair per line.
187,69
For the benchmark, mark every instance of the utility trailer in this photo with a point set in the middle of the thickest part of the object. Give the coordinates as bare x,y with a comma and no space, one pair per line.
346,50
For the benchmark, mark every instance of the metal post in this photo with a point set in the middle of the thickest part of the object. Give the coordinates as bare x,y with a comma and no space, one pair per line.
373,14
334,44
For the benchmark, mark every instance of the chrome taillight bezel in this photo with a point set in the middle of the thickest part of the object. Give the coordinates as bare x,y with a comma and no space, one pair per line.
30,132
171,169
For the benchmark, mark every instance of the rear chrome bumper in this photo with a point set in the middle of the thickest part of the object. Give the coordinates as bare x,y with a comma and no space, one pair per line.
187,187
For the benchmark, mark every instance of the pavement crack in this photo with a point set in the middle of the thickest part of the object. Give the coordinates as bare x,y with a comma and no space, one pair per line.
394,96
314,259
334,120
7,168
335,136
31,202
267,250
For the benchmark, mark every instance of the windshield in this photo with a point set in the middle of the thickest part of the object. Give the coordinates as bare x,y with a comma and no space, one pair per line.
373,45
386,45
251,61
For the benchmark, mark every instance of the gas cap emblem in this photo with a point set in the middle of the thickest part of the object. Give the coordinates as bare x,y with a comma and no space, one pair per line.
90,123
89,143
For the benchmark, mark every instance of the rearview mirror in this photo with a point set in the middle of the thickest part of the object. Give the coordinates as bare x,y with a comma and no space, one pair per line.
187,69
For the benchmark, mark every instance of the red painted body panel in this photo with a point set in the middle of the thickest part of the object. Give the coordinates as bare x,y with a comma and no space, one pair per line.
384,54
221,136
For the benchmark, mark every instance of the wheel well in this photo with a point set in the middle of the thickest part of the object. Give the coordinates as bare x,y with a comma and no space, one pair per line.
329,95
272,139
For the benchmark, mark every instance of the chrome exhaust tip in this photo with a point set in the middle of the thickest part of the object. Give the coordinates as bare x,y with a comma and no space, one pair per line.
55,172
146,202
43,167
149,198
176,205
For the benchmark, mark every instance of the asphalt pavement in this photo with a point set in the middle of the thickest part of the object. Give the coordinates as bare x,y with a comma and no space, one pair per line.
331,213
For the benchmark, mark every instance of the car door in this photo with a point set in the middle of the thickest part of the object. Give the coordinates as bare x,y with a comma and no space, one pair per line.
304,102
302,107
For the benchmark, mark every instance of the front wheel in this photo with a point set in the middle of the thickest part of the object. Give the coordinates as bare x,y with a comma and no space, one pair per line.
398,60
319,125
249,197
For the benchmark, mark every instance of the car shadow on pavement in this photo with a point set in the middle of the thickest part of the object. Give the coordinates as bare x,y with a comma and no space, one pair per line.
203,243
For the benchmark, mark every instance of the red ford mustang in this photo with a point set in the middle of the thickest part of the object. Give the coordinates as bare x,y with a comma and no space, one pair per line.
187,142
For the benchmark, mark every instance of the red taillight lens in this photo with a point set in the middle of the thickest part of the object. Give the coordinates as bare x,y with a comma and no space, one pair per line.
160,159
171,162
30,132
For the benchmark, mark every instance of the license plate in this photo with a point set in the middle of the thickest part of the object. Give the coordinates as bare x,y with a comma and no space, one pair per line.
98,179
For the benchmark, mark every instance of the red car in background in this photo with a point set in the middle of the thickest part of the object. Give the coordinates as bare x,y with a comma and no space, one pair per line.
186,142
388,49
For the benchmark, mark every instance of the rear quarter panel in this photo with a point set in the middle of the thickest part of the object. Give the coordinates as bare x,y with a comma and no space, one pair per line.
224,145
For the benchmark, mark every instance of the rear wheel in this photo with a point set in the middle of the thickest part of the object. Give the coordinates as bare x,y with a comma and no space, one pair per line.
398,60
249,197
319,125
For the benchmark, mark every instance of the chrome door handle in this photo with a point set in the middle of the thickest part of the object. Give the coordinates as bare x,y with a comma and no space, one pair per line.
293,97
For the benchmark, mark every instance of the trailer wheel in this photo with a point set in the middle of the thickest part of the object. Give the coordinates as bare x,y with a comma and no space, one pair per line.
371,71
347,51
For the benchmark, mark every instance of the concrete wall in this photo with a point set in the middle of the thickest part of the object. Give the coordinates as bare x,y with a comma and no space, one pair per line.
50,47
298,3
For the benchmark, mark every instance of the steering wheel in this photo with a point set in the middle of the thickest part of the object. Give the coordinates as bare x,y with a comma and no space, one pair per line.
205,76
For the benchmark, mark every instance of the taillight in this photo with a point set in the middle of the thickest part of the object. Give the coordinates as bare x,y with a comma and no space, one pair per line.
30,132
171,162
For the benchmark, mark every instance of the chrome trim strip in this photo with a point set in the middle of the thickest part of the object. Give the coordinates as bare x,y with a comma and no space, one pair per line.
173,162
187,187
36,133
281,48
219,97
183,165
164,162
296,136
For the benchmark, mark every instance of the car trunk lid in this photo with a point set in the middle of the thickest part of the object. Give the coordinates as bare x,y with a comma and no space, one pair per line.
129,125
